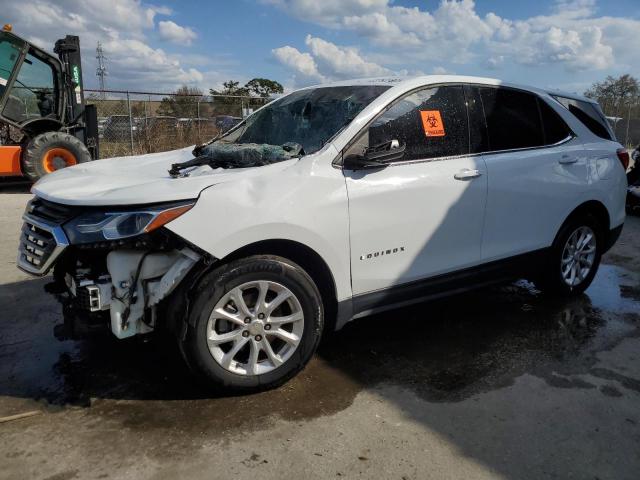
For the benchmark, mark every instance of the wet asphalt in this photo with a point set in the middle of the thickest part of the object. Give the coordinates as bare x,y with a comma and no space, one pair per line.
499,383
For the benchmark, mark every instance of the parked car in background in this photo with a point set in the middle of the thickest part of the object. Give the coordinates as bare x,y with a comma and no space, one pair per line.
226,122
118,127
329,204
205,124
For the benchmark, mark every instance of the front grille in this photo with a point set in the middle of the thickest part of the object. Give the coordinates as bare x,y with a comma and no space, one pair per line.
42,240
51,212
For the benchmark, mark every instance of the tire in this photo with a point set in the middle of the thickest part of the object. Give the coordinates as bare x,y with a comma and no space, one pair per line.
50,151
556,282
214,360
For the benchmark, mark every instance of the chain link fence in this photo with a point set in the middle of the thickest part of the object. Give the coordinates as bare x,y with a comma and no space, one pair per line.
133,123
625,120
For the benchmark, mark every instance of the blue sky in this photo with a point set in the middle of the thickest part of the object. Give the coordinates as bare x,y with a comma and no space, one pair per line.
157,46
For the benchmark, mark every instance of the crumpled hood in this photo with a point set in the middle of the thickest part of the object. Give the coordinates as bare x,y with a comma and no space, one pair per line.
136,180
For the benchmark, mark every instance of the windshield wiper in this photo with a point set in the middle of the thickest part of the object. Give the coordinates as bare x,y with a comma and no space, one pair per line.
176,168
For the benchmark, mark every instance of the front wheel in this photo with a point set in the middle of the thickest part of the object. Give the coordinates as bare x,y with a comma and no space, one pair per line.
574,257
254,324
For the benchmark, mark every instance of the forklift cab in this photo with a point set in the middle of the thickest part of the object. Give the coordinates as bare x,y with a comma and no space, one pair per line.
42,102
30,81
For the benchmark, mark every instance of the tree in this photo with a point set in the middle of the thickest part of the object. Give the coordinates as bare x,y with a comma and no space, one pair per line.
232,99
615,94
231,87
183,102
263,87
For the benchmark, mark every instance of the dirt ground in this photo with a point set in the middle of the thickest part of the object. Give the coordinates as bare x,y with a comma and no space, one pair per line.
501,383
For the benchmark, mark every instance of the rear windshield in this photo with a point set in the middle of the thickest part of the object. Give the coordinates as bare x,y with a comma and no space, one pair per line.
589,114
307,117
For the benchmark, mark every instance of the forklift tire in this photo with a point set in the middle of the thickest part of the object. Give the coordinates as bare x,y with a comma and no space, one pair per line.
51,151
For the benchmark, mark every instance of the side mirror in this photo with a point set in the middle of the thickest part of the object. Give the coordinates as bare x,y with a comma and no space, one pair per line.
378,156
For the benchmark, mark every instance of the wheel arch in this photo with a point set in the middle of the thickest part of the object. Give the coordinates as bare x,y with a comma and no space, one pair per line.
307,258
592,207
41,125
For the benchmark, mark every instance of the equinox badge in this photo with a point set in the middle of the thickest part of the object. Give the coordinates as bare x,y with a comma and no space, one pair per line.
381,253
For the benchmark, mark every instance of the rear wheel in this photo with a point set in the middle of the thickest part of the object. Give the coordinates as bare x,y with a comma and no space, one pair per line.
255,323
51,151
574,258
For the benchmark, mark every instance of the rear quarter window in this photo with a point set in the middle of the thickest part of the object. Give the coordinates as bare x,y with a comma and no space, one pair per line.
589,115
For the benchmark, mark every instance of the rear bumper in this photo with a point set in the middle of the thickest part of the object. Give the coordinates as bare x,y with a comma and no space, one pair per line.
612,237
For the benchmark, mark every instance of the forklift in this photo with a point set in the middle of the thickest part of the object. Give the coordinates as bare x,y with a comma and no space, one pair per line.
44,122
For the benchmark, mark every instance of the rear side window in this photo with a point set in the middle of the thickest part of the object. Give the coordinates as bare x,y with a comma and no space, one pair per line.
512,118
432,122
589,114
555,128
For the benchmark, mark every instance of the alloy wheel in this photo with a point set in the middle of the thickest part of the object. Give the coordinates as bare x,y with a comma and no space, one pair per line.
578,256
255,327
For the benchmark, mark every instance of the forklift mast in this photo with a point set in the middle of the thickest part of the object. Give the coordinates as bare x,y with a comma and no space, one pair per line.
82,119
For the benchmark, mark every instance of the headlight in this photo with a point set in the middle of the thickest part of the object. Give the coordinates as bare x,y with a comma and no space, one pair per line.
98,226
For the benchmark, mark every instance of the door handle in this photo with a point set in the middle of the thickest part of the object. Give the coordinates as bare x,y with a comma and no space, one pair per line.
567,160
467,174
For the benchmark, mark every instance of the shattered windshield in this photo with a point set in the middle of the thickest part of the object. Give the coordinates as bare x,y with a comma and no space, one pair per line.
306,117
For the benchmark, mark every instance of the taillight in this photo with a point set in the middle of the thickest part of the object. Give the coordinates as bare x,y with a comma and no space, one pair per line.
623,156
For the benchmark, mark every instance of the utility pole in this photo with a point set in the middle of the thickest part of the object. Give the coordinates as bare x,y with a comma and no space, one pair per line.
101,71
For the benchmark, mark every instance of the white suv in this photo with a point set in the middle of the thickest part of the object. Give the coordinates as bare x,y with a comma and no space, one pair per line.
326,205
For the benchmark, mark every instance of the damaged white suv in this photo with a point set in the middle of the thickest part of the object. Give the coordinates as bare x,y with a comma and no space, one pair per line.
326,205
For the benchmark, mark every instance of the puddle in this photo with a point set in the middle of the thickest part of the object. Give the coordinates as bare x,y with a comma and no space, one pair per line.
446,351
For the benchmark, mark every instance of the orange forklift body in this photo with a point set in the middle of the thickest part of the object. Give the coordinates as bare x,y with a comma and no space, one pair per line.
10,160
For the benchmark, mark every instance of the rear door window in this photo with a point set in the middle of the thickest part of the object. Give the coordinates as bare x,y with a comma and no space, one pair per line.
555,128
431,122
479,139
589,114
512,119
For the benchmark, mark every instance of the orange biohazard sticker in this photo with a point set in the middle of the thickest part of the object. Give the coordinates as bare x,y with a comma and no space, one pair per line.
432,123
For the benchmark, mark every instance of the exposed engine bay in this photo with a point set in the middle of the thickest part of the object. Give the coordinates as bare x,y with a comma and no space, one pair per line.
120,282
129,289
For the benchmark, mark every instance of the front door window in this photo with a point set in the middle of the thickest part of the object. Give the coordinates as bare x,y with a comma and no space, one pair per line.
431,123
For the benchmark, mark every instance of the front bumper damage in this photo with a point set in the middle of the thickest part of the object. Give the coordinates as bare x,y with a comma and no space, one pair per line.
128,296
119,285
139,281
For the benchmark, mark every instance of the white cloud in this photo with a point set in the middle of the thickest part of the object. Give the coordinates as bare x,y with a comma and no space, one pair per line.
326,12
173,32
326,61
440,70
342,62
122,26
571,35
302,64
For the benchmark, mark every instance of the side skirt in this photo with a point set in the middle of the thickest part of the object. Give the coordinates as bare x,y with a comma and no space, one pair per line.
499,271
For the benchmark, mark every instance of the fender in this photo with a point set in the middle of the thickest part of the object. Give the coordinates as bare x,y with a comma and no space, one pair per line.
305,203
40,125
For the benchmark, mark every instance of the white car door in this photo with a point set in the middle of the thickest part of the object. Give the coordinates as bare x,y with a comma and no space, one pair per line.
537,170
420,216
